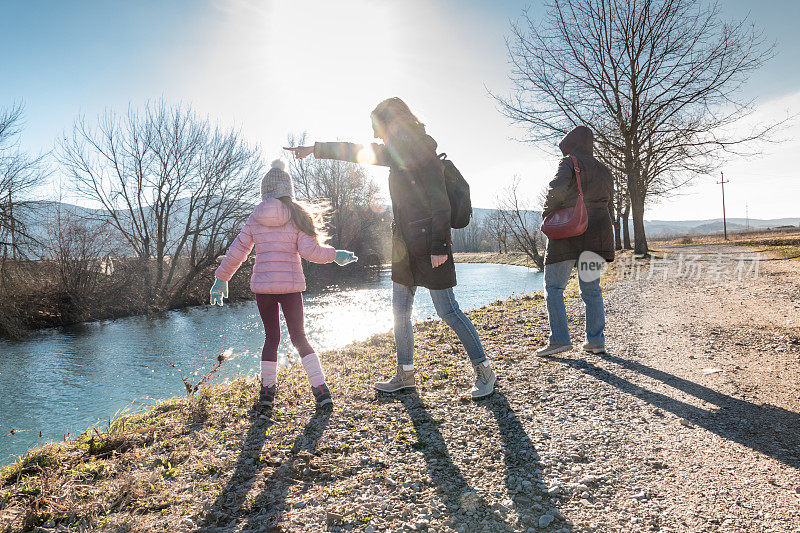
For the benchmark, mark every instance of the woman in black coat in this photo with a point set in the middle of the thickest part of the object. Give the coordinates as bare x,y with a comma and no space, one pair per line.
563,254
421,241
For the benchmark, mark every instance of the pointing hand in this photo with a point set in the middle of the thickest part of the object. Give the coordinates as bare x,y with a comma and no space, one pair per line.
300,152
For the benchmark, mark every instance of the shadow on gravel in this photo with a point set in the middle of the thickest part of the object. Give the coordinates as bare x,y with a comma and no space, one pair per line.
523,465
227,508
452,488
228,503
767,429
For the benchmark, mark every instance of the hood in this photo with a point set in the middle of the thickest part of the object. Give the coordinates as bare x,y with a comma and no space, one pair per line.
413,151
271,212
580,139
431,142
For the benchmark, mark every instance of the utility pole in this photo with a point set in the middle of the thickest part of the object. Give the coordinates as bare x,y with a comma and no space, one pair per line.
746,218
724,221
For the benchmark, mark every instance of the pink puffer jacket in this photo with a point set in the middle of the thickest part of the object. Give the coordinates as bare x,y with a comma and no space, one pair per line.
279,245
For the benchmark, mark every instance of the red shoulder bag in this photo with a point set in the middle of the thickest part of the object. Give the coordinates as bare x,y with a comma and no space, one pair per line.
571,221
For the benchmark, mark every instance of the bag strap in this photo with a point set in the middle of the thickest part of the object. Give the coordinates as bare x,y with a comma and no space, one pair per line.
577,174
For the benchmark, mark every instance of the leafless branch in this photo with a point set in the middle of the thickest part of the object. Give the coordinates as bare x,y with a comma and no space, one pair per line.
657,80
174,186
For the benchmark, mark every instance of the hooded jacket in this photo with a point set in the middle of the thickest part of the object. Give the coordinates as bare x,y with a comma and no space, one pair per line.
598,192
420,206
279,245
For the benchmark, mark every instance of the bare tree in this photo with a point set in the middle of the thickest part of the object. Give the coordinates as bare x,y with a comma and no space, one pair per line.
622,212
621,202
81,252
521,222
352,195
496,227
20,174
302,170
358,218
176,187
657,80
471,238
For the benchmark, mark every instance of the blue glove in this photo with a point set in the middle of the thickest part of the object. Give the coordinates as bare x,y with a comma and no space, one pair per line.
343,257
219,291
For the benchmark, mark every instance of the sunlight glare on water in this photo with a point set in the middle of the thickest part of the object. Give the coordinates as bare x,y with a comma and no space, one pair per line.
65,380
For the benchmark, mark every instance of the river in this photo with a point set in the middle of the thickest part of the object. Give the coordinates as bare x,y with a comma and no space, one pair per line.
62,381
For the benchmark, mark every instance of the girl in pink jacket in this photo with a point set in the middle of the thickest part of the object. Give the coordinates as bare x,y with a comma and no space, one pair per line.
282,231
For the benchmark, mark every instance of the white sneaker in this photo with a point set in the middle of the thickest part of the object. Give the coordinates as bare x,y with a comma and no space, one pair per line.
593,348
552,349
484,381
402,379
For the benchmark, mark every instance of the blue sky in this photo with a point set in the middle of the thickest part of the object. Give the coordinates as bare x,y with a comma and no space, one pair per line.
272,68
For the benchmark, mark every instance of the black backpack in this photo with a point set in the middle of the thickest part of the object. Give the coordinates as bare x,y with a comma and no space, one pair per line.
458,194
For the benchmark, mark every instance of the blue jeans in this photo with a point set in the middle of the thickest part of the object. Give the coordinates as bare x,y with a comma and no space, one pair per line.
446,307
556,276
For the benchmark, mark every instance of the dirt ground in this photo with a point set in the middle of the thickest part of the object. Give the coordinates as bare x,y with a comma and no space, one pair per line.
722,355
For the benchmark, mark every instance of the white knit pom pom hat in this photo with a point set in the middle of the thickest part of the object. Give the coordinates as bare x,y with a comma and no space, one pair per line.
277,183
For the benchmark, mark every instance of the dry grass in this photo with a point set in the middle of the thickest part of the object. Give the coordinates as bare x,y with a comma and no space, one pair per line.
511,258
125,468
782,243
164,466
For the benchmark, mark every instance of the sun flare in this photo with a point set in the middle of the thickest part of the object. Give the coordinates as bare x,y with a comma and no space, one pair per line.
366,155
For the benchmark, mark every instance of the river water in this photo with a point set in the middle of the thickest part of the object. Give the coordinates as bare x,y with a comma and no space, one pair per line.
61,381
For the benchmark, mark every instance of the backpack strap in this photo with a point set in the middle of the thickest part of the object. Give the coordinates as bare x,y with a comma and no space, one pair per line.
577,173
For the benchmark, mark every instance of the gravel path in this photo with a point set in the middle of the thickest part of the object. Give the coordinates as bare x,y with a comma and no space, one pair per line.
689,424
706,370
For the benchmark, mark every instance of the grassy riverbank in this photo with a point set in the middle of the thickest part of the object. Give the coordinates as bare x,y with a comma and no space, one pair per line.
511,258
171,466
211,460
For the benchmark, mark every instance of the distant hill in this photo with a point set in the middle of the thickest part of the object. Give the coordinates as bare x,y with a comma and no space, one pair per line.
479,214
39,216
42,214
671,228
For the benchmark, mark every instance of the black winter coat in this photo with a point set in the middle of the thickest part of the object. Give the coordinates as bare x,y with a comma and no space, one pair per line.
420,207
598,192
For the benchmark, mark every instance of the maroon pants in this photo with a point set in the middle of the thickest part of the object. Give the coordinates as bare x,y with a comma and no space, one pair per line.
292,306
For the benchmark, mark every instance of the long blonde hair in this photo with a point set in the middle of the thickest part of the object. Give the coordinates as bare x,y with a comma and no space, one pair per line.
404,134
395,111
309,217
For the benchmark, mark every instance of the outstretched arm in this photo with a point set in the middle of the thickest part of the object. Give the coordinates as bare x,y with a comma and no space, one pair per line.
310,249
237,253
371,154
